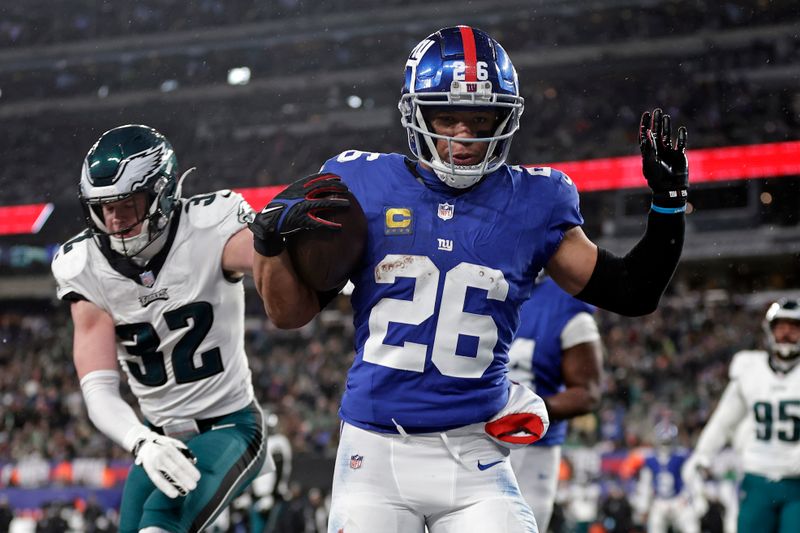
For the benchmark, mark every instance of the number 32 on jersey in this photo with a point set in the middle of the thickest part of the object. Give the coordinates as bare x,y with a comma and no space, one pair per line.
451,322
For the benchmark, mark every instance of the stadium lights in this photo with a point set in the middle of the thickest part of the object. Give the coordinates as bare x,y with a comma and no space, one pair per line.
354,101
168,86
239,76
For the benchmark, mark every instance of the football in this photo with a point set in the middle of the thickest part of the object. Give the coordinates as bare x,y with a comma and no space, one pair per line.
324,258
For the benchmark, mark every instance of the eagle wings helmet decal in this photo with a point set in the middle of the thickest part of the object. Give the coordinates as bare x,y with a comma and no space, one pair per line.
142,165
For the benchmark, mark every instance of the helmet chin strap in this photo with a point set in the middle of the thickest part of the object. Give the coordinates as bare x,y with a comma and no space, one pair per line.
785,355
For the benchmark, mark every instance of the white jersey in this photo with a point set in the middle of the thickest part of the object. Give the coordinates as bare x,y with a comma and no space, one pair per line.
766,404
179,321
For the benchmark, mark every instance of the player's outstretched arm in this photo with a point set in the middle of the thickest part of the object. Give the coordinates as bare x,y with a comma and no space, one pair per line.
288,301
632,285
730,412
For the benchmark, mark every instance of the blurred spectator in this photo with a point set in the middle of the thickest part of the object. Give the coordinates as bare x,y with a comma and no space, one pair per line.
616,513
53,520
6,514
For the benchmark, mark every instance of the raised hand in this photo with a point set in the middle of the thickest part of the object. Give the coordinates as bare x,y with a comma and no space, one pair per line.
664,164
300,206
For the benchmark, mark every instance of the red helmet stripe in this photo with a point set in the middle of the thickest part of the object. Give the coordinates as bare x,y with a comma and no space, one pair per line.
470,57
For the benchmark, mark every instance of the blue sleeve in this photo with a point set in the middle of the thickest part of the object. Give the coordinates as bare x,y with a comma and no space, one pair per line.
566,213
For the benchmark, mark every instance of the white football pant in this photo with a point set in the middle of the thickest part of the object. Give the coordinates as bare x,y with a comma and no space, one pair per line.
536,468
676,511
459,481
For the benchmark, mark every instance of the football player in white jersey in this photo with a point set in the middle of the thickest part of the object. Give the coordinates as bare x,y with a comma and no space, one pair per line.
764,394
154,285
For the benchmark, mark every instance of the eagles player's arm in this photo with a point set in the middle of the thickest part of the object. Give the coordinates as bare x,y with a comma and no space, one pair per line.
730,412
167,461
237,256
581,368
632,285
290,303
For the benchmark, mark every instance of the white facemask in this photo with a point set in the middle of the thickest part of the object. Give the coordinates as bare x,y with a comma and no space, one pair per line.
137,246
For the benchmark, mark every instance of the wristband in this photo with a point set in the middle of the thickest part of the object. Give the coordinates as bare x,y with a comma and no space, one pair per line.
269,247
668,210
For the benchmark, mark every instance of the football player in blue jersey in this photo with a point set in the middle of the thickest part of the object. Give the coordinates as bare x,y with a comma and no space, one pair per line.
455,240
662,493
557,352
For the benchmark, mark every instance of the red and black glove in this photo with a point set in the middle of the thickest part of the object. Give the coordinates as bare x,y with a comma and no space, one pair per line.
300,206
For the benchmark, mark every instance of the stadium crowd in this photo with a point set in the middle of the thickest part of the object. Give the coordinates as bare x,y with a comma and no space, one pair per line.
32,26
240,142
316,94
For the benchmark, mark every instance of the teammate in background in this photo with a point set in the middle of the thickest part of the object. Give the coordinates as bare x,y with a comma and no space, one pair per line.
155,282
661,492
455,241
271,490
764,395
557,352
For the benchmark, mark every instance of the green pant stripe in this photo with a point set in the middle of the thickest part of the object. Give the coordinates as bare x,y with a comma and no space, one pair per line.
236,476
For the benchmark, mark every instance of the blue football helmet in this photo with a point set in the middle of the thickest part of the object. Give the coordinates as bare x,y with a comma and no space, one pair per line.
124,161
784,309
463,68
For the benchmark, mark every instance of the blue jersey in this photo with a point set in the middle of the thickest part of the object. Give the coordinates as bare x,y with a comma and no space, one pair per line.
436,299
666,469
536,351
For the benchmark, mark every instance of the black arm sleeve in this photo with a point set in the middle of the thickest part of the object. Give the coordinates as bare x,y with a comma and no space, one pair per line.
633,285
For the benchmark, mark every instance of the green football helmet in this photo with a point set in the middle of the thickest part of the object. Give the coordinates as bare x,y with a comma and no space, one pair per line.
125,161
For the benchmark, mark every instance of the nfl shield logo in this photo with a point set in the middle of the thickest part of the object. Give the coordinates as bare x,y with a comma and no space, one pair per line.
147,278
355,461
446,211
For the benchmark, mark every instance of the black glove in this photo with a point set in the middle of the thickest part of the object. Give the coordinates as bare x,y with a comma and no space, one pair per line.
665,167
296,208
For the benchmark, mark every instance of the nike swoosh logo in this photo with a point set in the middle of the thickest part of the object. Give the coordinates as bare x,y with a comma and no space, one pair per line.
222,426
271,209
488,465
